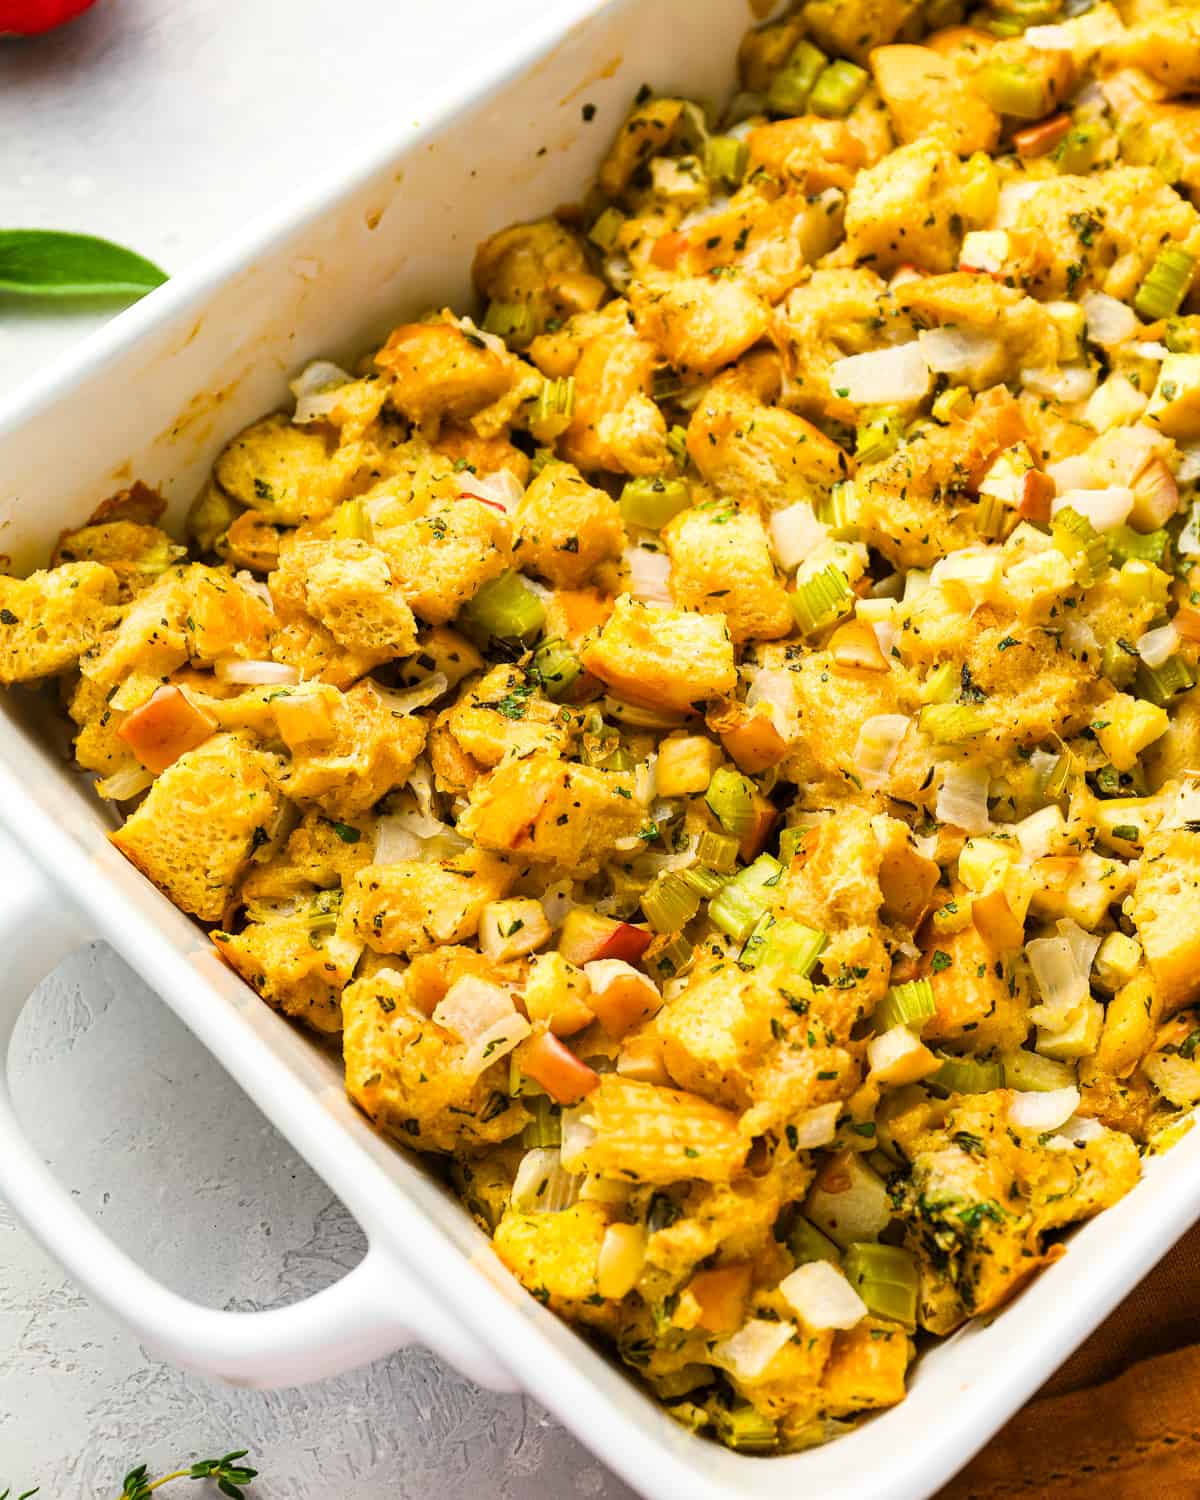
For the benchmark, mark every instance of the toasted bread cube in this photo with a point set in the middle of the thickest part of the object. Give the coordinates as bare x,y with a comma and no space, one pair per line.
438,370
645,1134
973,995
850,28
912,207
661,655
201,821
552,811
48,620
413,905
743,446
555,1256
405,1072
566,528
1165,907
350,588
701,323
685,764
294,969
866,1367
368,753
502,717
721,564
647,129
287,473
923,88
1166,45
137,553
557,993
442,558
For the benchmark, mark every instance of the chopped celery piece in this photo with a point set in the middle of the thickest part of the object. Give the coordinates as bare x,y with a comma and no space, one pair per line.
966,1075
793,83
794,948
821,599
652,502
553,409
1061,777
1183,336
942,684
951,723
350,522
1011,89
605,230
557,666
1079,541
754,949
879,435
545,1128
885,1277
666,384
791,841
730,796
507,607
991,517
840,512
1125,543
1079,149
514,322
725,159
323,913
838,89
677,446
717,851
671,959
1032,1073
669,903
746,897
1166,284
707,882
745,1429
954,401
1160,684
908,1004
541,457
807,1243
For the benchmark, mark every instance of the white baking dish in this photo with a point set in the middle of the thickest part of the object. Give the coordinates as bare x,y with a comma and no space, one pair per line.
154,396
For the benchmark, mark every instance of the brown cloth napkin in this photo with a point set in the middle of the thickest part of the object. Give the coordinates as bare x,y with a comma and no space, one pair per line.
1121,1419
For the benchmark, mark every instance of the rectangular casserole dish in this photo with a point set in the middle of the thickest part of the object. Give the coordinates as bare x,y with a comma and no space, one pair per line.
155,396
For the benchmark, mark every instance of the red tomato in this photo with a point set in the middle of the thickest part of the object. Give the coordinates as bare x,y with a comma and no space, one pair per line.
29,17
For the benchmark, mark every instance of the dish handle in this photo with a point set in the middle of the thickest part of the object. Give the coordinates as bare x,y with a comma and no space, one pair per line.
373,1310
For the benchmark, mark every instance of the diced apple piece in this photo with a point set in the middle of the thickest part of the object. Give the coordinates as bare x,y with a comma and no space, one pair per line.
587,936
557,993
507,929
566,1079
164,727
621,996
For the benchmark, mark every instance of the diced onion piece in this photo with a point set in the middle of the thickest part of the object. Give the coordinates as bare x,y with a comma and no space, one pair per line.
1060,981
1069,383
878,744
795,533
255,673
1105,509
849,1201
541,1185
816,1126
501,490
622,1255
958,351
402,704
962,798
1077,1131
1084,945
315,390
747,1353
484,1017
884,377
394,842
821,1295
496,1042
1156,645
122,785
1050,38
1109,322
1044,1110
649,575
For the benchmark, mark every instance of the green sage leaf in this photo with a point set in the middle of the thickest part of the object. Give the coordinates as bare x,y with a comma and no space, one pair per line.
53,263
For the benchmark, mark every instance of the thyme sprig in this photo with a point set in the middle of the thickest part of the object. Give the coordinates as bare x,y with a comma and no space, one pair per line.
229,1474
